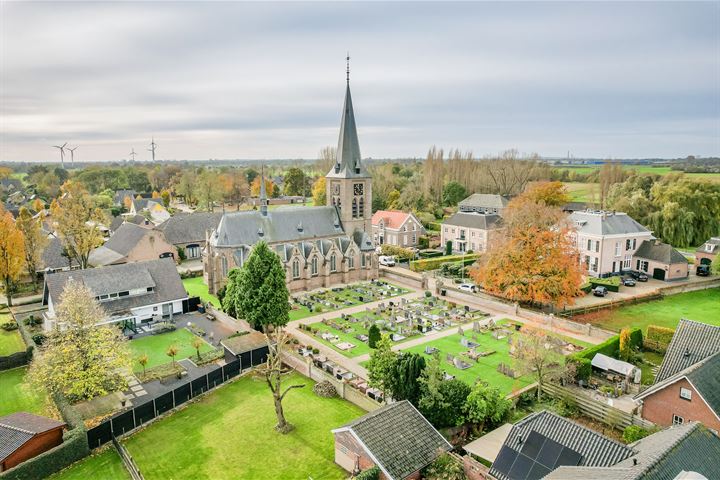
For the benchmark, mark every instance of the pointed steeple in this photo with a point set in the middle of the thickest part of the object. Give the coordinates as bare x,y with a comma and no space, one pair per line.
263,193
348,160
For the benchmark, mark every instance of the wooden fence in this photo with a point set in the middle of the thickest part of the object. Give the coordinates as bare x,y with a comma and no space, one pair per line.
595,409
128,461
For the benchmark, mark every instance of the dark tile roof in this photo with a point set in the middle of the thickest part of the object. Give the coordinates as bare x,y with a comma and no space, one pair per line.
189,227
706,379
474,220
715,245
606,223
692,342
120,219
245,343
53,258
596,450
659,252
484,200
120,195
400,439
17,428
160,274
125,238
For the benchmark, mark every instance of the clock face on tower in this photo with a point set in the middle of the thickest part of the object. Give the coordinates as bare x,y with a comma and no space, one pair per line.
358,189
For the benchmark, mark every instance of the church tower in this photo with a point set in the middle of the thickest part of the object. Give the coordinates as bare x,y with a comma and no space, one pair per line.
348,185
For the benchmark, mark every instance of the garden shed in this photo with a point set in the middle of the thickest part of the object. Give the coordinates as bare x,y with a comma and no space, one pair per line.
250,348
609,364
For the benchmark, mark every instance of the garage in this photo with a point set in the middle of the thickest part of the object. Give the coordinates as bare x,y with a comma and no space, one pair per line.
659,274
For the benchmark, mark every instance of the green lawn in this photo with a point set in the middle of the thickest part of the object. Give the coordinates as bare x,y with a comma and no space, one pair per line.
106,465
19,395
643,169
582,192
10,342
299,312
196,288
702,306
230,434
155,346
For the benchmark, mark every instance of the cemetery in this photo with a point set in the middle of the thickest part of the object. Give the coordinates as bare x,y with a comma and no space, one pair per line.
319,301
401,320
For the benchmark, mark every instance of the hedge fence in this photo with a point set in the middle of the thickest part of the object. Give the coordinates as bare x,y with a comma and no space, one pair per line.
434,263
610,347
23,357
658,338
611,283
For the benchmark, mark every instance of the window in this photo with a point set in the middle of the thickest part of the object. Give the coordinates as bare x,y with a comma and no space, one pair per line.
685,393
627,244
362,261
617,249
404,229
361,207
414,238
333,263
589,246
446,229
296,269
597,245
453,230
354,208
627,261
351,262
637,265
708,247
314,266
224,266
634,243
678,420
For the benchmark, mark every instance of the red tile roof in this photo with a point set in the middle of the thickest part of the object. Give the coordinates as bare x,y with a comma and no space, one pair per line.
393,218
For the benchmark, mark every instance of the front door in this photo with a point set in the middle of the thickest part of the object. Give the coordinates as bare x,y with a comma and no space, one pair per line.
166,309
613,269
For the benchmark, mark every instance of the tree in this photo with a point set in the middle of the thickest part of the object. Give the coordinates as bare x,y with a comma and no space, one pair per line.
534,360
82,360
553,194
231,293
274,372
255,187
625,349
433,175
207,189
445,467
485,404
405,381
381,366
197,343
715,265
78,222
453,192
261,294
35,241
373,336
319,193
143,361
441,401
172,352
295,182
12,252
165,195
326,160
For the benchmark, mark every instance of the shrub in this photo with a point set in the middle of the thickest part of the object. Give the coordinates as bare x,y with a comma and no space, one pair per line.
609,347
164,327
9,326
316,351
398,252
430,254
423,242
633,433
448,247
181,254
445,467
209,356
32,321
428,294
624,344
658,338
39,338
437,262
611,283
318,308
373,336
372,473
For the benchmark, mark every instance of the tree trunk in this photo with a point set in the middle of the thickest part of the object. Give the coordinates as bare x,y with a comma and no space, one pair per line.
282,426
8,293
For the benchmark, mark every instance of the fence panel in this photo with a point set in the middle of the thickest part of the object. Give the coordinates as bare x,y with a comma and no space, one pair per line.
199,385
144,413
231,369
164,402
123,422
215,377
259,356
245,360
182,394
100,434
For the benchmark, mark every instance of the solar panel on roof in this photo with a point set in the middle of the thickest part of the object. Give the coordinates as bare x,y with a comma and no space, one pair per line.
531,447
537,472
568,457
521,467
503,462
549,453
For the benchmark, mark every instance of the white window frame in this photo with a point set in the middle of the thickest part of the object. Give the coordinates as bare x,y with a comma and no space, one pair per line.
617,249
296,269
333,263
677,419
685,393
314,267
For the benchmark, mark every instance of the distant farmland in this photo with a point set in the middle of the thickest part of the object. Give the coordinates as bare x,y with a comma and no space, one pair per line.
585,169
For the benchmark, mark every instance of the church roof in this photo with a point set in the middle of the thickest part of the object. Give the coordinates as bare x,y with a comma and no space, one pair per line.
348,163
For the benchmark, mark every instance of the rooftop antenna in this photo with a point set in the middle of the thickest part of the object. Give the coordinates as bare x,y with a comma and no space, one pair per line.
132,154
62,153
152,148
72,154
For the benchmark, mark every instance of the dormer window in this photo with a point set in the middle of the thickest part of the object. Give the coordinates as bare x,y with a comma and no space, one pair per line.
708,247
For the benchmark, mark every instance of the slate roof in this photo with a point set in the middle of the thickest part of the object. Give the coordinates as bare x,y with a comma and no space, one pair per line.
399,438
714,242
189,227
120,219
484,200
245,343
18,428
53,258
659,252
481,221
596,450
119,197
606,223
692,342
125,238
160,274
348,160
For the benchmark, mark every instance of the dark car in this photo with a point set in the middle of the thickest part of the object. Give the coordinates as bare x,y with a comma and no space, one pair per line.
628,282
639,276
702,270
600,291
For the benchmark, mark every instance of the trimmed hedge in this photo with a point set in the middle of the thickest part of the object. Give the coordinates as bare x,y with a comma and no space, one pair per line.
429,254
399,252
609,347
434,263
658,338
611,283
17,359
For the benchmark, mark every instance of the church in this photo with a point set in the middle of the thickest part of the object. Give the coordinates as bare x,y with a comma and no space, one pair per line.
319,246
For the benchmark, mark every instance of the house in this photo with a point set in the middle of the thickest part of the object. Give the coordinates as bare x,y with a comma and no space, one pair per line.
132,243
607,241
396,438
9,185
150,206
393,227
548,446
318,246
188,231
132,293
706,253
660,260
24,436
484,203
120,219
121,195
470,231
54,259
687,386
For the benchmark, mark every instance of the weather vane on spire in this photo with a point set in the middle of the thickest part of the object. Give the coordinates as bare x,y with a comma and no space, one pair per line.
347,67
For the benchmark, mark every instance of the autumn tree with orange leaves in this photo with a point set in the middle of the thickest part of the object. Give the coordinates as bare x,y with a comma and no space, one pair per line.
12,252
534,260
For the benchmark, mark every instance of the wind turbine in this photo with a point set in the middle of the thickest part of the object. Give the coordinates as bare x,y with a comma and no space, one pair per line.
152,148
132,154
72,155
62,153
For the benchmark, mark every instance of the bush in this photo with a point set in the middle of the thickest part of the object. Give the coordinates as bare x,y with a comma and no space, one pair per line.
448,247
437,262
658,338
400,253
430,254
633,433
209,356
428,294
372,473
318,308
316,351
32,321
9,326
423,242
39,338
373,336
164,327
611,283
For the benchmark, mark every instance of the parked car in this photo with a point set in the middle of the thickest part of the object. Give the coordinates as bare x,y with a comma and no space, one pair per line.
467,287
639,276
387,261
702,270
628,282
600,291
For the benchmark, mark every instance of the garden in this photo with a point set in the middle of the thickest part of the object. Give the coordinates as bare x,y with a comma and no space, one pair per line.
196,287
402,320
320,301
19,395
226,435
10,339
105,464
156,348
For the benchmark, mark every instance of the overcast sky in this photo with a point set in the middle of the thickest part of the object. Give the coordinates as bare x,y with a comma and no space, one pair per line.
266,80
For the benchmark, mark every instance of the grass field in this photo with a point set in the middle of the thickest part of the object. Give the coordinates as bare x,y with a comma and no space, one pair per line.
155,346
702,306
19,395
582,192
106,465
196,288
230,434
642,169
10,341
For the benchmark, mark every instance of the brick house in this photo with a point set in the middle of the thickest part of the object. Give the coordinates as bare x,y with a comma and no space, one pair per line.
707,252
24,436
687,386
607,241
393,227
132,243
396,438
470,231
189,231
660,260
484,203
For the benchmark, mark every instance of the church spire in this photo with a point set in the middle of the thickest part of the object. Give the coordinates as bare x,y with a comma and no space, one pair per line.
263,193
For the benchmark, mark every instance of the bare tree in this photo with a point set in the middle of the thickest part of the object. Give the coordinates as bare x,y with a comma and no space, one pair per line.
326,159
536,357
